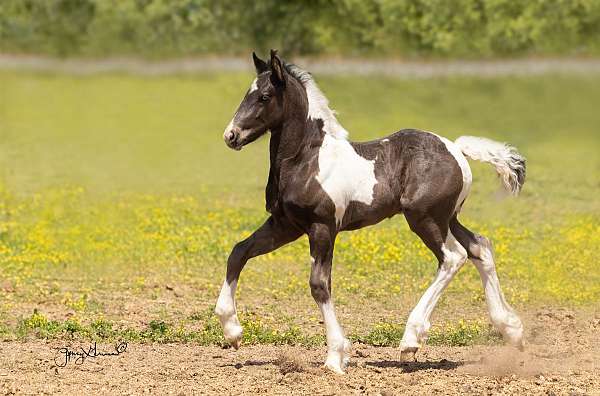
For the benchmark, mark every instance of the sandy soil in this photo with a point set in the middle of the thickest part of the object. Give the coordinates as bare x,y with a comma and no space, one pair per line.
562,357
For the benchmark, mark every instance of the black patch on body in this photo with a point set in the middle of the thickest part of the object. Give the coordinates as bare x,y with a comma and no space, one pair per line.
414,171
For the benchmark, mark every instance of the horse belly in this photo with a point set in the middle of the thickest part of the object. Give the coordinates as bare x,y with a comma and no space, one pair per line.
359,215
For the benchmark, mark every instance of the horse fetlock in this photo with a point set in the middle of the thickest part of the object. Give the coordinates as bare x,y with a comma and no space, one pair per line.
511,327
224,311
233,333
513,333
415,334
232,330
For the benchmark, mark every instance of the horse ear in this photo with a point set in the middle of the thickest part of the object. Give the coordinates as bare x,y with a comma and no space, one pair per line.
260,65
277,70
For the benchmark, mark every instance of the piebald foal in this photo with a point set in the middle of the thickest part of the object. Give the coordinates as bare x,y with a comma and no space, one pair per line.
320,184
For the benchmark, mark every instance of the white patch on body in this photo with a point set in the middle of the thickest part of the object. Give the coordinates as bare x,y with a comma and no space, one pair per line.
385,140
502,315
467,176
418,322
338,347
225,310
344,175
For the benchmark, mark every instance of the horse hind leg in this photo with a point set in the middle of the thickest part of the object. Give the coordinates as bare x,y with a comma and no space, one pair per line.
502,315
451,256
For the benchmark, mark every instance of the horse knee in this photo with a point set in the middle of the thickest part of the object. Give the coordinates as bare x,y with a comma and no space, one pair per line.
454,258
237,259
461,256
237,253
319,289
484,256
483,242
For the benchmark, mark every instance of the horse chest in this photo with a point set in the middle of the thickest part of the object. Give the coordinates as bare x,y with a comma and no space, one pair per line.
344,175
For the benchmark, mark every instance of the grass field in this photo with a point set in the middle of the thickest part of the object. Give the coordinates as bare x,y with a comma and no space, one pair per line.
119,204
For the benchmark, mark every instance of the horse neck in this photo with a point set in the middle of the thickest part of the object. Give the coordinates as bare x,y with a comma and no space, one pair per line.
287,141
290,137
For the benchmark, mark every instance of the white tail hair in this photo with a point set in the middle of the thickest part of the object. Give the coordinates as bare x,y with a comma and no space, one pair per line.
509,164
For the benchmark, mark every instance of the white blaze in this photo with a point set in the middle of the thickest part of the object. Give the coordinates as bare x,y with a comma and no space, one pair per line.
229,126
254,86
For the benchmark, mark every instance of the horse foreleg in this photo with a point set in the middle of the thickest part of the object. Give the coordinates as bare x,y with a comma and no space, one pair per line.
321,250
273,234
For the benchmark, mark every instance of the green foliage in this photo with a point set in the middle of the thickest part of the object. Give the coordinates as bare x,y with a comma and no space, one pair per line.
399,27
39,326
255,332
486,27
461,333
210,333
383,334
464,333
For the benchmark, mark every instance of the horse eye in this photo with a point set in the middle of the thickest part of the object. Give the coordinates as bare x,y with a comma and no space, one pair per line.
264,98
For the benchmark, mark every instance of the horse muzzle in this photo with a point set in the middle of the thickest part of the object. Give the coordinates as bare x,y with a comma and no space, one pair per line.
233,138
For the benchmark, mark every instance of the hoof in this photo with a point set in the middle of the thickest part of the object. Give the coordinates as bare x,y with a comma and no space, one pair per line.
521,346
338,356
232,331
347,350
334,368
234,338
235,343
514,335
408,354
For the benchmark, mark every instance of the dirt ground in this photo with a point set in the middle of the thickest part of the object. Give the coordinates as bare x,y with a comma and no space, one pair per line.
562,358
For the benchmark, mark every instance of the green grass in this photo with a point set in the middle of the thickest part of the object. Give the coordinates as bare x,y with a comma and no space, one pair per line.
113,187
208,332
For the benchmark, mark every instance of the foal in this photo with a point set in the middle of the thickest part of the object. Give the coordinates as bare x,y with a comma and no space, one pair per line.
320,184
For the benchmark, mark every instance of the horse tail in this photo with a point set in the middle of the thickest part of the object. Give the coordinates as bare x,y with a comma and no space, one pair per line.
509,164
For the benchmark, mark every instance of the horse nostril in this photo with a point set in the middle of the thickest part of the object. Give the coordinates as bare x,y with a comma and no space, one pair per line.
232,137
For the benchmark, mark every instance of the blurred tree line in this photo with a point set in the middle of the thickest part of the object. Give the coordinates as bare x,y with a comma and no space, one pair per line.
161,28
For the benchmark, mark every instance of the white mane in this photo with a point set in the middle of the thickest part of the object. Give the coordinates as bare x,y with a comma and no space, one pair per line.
318,105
